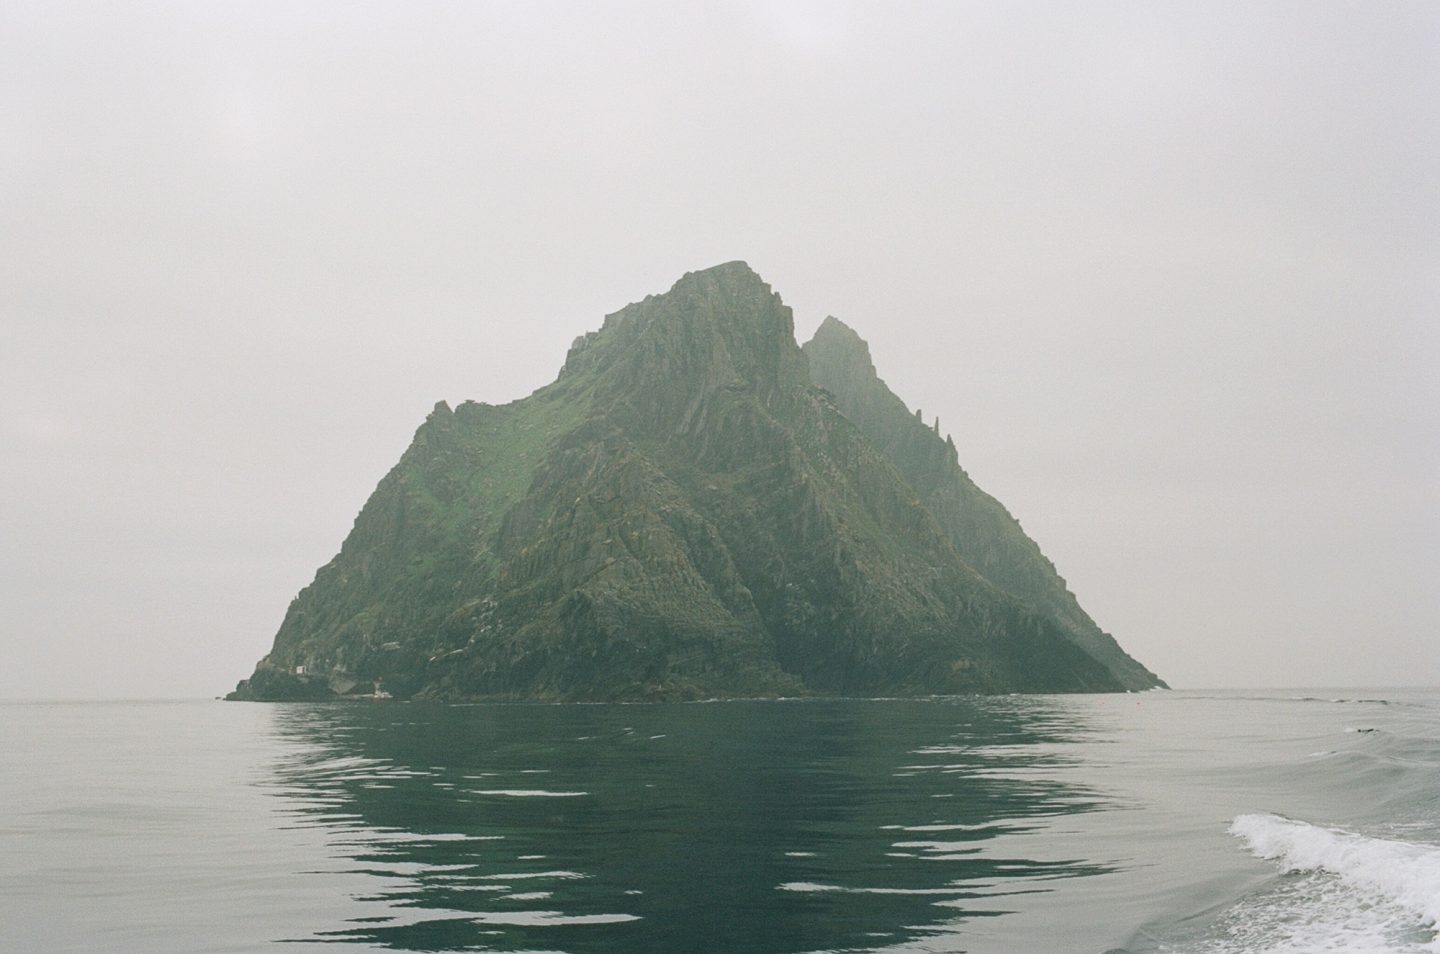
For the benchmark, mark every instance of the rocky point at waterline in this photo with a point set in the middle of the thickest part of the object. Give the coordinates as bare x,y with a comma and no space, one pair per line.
695,508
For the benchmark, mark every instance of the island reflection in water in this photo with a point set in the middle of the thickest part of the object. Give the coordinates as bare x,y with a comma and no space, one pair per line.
736,826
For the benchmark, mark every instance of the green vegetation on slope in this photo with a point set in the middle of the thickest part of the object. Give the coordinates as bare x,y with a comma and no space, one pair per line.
983,532
682,514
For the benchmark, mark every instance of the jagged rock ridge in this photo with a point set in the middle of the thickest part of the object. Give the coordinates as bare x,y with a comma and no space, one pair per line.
982,531
683,513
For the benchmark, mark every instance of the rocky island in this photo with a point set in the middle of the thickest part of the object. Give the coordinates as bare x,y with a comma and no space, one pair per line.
697,507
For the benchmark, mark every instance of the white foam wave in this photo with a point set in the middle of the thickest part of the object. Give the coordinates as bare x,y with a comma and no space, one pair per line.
1404,872
1381,877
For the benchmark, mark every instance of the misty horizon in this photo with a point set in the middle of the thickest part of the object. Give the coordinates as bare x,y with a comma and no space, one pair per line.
1165,275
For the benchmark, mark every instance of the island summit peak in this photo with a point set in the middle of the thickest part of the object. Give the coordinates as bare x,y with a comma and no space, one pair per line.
695,508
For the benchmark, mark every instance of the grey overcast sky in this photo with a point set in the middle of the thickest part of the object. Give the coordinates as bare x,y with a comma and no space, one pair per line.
1167,272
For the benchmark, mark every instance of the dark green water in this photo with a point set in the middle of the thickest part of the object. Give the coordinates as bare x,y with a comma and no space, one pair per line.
738,827
1192,823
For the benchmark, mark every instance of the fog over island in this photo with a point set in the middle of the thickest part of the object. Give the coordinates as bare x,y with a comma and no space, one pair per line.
1166,274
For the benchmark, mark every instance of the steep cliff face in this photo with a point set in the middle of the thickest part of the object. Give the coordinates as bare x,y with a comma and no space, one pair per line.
682,514
982,531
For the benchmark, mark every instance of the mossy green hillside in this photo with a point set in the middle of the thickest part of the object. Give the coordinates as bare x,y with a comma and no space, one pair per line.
682,514
983,532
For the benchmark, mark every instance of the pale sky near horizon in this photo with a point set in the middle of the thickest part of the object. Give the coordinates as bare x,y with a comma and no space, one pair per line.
1167,272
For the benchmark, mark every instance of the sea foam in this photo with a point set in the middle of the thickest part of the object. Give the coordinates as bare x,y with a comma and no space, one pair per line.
1376,872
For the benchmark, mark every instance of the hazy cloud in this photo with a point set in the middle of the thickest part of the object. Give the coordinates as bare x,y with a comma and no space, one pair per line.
1166,272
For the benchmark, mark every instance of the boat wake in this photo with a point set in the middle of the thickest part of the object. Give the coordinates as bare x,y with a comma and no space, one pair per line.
1339,891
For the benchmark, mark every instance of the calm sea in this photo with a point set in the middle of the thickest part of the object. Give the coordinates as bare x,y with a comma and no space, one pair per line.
1159,822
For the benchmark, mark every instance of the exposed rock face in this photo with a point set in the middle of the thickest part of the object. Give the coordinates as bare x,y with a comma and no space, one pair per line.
982,531
684,514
